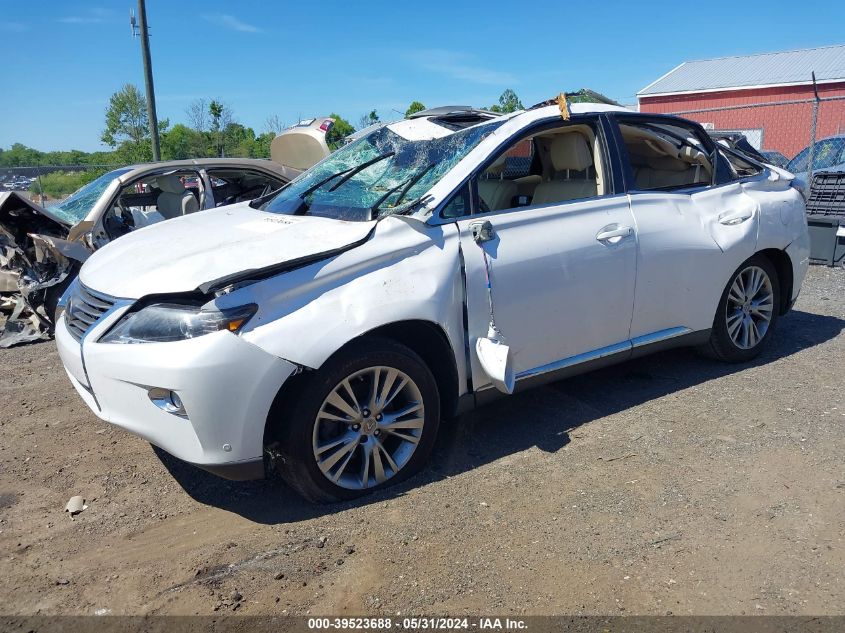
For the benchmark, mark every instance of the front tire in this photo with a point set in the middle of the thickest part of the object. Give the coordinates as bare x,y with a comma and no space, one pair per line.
365,420
747,312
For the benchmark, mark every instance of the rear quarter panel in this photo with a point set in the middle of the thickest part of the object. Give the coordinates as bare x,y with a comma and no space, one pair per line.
783,224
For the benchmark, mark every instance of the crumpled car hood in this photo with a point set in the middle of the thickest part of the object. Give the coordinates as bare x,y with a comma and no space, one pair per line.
12,202
33,263
184,254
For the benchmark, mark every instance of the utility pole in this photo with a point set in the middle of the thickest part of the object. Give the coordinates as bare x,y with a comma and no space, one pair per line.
144,32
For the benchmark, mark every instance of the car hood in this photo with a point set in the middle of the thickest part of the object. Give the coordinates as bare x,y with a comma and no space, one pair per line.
14,206
209,247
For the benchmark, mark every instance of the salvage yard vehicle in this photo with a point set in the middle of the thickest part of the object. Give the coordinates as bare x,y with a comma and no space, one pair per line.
828,156
41,249
422,270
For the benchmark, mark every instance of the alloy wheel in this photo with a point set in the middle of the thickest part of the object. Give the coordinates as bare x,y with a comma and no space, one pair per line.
749,308
368,427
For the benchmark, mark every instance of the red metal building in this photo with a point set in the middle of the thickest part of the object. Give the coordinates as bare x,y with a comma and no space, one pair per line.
769,97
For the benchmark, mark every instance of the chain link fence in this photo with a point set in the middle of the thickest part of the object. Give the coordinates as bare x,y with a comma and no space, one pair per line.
804,135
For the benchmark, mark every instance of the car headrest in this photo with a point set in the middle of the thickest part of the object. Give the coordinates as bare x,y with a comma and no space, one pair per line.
170,183
667,163
570,151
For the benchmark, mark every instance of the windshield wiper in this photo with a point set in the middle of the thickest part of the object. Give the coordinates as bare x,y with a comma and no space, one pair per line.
351,172
346,173
405,208
322,182
405,185
259,201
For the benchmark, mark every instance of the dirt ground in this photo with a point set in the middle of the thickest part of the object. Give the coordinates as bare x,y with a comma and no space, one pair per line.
670,484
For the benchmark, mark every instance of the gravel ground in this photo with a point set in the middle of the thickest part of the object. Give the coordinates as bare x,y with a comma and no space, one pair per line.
670,484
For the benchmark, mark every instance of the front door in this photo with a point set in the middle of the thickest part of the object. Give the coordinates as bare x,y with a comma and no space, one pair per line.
562,278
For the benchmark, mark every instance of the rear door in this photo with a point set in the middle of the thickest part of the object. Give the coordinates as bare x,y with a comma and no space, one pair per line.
692,234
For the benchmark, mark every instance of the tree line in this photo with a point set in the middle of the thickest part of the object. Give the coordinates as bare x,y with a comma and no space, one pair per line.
211,129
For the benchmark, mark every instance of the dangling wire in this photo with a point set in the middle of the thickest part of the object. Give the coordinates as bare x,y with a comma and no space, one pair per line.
489,289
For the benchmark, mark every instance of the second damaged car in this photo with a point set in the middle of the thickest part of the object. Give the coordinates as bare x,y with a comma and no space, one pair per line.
422,270
41,249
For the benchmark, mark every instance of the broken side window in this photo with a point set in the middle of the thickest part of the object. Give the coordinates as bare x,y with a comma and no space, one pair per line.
153,198
664,156
550,166
229,186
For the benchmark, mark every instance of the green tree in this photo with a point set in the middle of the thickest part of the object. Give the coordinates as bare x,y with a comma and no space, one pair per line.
368,119
415,107
338,132
182,142
239,141
262,144
19,155
221,118
61,183
215,109
127,124
508,102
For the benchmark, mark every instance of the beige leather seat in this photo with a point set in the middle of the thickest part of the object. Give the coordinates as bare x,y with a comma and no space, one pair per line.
174,200
568,152
664,171
496,192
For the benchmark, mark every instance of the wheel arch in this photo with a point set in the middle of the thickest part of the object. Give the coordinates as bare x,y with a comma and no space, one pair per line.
427,339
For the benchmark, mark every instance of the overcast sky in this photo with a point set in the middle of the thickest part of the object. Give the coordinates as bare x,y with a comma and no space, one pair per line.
62,60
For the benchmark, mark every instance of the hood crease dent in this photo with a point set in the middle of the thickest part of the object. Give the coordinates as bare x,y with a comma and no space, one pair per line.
222,247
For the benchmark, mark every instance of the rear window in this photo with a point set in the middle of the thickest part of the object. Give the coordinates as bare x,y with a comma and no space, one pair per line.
740,166
665,156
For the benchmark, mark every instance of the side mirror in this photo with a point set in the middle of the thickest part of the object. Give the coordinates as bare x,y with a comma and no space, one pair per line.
495,359
482,231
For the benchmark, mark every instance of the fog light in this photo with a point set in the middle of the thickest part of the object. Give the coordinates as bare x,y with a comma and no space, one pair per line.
168,401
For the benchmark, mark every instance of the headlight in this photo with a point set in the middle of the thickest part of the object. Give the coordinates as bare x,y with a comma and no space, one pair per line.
167,322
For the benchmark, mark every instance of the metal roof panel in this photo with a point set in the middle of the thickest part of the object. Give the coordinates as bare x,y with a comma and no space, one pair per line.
764,69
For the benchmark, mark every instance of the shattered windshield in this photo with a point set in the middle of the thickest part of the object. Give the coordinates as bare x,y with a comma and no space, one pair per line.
376,175
76,206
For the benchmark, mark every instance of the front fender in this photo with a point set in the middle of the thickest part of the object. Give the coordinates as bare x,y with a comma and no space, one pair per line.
407,271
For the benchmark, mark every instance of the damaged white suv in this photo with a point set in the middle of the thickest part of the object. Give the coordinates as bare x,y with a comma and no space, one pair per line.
421,270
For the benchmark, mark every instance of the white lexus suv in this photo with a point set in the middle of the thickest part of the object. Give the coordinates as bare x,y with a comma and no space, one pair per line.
421,270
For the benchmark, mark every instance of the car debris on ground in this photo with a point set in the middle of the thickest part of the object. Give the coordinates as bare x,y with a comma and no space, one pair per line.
75,505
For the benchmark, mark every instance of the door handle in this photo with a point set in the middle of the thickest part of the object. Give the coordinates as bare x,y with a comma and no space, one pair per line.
614,233
732,218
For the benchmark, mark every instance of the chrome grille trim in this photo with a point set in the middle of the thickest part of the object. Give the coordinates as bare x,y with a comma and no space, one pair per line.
84,308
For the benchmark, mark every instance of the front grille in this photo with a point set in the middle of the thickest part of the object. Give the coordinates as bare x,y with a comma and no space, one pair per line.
84,309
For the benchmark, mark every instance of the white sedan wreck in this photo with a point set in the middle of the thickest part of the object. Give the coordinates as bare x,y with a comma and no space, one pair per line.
41,249
421,270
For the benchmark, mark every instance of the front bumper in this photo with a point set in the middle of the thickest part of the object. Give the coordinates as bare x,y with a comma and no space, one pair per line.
226,384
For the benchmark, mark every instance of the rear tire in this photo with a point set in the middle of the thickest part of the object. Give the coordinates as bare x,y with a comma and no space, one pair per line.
343,438
747,312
